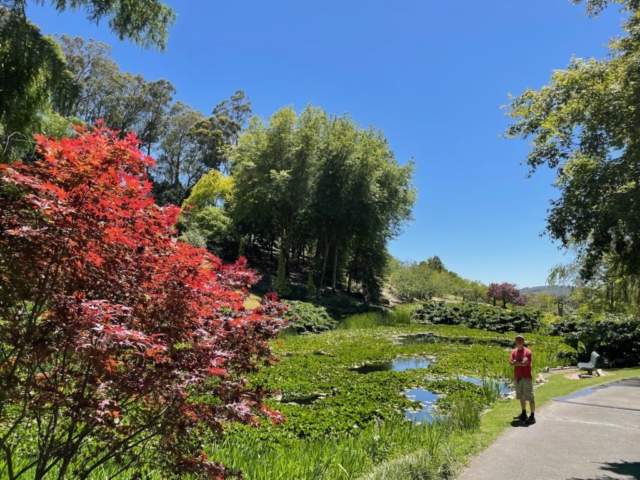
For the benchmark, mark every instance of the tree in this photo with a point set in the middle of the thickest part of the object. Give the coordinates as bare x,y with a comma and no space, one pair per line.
33,74
124,101
584,125
144,22
219,132
117,344
180,162
435,264
506,293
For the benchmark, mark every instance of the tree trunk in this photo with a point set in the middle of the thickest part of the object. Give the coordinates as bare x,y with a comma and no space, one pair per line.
324,262
335,269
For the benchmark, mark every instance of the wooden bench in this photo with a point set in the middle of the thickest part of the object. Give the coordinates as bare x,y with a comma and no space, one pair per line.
591,365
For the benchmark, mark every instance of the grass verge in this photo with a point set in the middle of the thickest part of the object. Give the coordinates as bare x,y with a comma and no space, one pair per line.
419,466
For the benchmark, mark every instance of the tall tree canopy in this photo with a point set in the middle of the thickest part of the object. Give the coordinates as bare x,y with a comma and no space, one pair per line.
144,22
585,125
323,183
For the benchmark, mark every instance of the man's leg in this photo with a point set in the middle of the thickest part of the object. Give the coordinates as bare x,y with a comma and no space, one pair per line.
523,404
532,405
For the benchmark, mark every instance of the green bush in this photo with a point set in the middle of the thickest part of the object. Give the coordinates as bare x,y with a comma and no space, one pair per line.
305,317
476,315
615,338
340,306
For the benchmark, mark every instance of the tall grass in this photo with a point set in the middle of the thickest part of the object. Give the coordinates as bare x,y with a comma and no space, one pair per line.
391,318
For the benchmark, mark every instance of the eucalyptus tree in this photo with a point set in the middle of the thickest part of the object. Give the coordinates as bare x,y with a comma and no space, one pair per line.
125,102
222,129
180,159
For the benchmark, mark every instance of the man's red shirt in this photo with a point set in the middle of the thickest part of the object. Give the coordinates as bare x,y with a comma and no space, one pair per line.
519,356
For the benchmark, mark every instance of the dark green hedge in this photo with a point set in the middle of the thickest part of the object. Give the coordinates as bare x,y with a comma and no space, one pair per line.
478,315
615,338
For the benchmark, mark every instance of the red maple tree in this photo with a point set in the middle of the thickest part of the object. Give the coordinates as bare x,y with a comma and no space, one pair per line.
117,344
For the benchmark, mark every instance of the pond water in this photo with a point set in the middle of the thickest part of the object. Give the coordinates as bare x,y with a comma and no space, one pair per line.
504,387
428,401
399,364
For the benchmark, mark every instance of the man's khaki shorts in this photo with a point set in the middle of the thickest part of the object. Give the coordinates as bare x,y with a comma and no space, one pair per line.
524,389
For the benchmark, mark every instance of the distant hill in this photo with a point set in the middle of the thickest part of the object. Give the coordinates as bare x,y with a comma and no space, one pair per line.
554,290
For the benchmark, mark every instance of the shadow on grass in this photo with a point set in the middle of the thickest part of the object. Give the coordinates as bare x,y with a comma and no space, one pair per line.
627,469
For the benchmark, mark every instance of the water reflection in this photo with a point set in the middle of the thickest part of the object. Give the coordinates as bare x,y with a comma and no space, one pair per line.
427,400
504,387
399,364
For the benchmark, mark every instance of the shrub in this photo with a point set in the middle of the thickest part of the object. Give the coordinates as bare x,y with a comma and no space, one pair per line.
117,343
476,315
615,338
306,317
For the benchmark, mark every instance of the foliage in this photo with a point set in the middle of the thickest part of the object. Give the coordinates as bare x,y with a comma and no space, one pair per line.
311,293
115,339
145,23
33,74
340,306
218,133
282,285
305,317
210,190
615,338
316,183
193,237
584,124
422,281
506,293
475,315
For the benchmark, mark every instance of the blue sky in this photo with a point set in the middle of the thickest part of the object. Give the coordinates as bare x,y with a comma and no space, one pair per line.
431,74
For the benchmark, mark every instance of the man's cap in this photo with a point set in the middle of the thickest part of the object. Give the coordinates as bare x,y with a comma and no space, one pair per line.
519,336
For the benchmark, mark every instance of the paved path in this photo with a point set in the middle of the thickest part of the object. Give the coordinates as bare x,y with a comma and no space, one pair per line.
594,435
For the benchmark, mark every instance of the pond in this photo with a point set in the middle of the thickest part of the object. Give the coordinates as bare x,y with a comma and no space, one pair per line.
399,364
504,387
427,400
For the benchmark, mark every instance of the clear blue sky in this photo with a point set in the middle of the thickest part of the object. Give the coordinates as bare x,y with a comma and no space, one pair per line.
431,74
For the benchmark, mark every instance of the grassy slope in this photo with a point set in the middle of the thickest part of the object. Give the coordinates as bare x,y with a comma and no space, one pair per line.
495,422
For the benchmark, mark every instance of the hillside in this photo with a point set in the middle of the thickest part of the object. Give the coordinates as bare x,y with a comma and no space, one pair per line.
554,290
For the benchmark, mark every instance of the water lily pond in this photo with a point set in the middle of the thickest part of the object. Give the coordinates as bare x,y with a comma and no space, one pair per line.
399,364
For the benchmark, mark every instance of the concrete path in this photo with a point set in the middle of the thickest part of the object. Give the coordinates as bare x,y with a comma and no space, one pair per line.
591,435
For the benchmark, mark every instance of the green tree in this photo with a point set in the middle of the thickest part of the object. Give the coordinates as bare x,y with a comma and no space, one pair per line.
124,101
180,161
221,131
33,75
144,22
584,124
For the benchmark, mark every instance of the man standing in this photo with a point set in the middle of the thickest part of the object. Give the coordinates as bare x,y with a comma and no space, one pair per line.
521,361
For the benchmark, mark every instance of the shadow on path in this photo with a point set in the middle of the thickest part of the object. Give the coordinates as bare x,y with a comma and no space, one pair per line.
628,469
